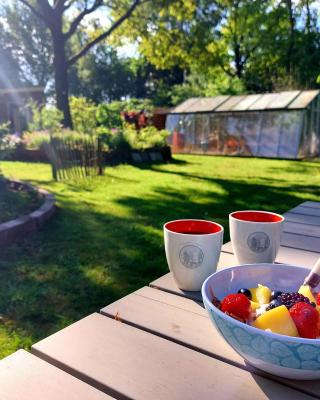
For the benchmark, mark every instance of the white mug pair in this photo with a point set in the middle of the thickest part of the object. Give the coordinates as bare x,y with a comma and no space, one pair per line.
193,246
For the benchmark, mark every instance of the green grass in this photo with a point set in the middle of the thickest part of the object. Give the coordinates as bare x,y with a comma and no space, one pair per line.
105,240
15,203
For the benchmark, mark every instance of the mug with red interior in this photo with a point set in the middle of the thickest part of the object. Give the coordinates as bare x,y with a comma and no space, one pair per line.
255,235
193,249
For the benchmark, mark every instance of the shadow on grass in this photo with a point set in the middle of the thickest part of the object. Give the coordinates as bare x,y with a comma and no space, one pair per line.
85,259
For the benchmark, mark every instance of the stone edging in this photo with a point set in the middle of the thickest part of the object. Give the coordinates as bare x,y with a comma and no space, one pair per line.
22,226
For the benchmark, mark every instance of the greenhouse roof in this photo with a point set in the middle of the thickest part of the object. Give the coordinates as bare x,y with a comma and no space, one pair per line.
291,100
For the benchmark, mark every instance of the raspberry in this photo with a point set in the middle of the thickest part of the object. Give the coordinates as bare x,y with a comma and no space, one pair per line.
306,319
290,299
237,305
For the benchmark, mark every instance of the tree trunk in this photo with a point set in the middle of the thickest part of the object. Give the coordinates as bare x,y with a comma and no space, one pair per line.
291,44
61,78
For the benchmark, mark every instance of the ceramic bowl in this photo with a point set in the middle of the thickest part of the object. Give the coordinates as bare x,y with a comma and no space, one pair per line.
285,356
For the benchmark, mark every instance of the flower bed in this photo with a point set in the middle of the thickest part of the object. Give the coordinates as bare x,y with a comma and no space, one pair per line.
18,228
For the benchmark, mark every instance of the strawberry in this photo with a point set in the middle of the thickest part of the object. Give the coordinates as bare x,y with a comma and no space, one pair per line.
306,319
318,299
237,305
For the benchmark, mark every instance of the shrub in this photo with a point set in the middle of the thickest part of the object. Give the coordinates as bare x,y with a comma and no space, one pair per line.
109,115
83,113
145,138
8,142
35,140
45,118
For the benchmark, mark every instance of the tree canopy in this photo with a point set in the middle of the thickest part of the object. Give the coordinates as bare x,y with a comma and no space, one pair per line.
184,47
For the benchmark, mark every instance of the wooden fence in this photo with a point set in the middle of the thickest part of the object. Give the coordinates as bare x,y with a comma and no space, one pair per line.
75,158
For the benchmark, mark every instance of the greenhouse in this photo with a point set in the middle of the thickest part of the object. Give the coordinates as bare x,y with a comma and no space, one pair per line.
279,125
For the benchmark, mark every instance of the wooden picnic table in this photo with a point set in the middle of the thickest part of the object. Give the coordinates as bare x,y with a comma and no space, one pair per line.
158,343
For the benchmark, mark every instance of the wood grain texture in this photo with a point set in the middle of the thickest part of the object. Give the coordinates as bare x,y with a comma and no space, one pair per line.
301,229
168,284
306,210
108,353
302,219
287,255
301,242
186,322
24,376
312,204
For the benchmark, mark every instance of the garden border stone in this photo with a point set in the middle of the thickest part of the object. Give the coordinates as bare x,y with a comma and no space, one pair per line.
18,228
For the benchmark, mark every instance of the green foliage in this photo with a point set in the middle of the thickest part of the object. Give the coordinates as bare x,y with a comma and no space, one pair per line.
83,112
102,76
252,45
145,138
8,142
25,48
4,129
35,140
109,114
94,250
45,118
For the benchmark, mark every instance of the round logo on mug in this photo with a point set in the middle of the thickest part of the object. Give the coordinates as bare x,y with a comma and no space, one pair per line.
258,242
191,256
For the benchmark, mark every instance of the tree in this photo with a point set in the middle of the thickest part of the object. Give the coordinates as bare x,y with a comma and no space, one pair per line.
266,45
53,14
102,76
26,44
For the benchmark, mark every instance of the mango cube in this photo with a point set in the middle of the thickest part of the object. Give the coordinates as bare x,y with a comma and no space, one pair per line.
261,294
277,320
254,305
306,291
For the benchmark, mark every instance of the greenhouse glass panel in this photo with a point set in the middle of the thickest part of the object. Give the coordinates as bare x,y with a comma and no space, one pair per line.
202,132
270,134
290,134
284,125
216,133
233,140
251,128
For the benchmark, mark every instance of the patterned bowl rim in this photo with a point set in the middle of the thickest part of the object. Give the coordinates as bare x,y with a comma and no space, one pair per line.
250,328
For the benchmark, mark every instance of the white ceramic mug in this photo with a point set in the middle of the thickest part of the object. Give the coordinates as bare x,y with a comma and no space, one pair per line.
255,235
193,249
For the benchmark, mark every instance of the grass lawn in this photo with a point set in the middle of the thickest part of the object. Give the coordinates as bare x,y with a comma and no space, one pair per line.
106,238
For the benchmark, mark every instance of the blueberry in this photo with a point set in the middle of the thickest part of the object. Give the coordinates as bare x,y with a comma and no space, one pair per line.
275,294
246,292
313,304
273,304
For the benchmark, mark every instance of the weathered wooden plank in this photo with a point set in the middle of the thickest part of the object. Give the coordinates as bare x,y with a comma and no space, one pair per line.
305,211
314,204
288,255
109,354
302,242
24,376
301,229
168,284
186,322
304,99
302,219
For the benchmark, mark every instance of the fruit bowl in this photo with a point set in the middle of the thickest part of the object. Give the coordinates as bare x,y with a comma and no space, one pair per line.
285,356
